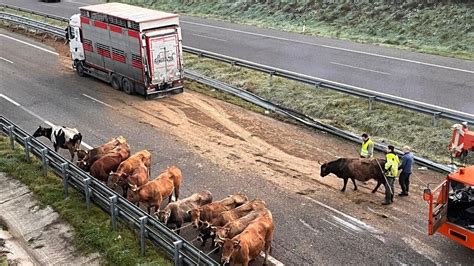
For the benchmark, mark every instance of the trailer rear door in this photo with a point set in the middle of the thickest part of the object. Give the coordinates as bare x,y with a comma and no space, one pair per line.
438,209
164,55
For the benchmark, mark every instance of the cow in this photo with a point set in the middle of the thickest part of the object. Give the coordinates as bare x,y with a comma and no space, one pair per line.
85,159
139,177
61,137
102,167
235,227
126,168
356,168
246,246
153,192
209,211
176,213
228,216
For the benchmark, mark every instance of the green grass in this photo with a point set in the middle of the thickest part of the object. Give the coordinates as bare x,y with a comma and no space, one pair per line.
439,28
92,228
387,123
35,17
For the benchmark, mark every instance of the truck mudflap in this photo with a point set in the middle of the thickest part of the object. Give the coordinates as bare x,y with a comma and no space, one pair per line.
163,93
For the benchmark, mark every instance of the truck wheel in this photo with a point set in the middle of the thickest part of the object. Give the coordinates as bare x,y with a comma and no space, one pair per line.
115,82
127,86
80,69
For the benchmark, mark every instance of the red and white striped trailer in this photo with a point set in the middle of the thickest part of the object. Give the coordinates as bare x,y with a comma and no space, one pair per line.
137,50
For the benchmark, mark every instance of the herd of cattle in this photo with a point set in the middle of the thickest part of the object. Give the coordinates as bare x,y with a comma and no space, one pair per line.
242,228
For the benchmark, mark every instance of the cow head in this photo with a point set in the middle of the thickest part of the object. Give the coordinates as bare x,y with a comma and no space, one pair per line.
117,178
163,215
230,246
133,195
82,155
41,131
325,170
195,215
239,198
220,232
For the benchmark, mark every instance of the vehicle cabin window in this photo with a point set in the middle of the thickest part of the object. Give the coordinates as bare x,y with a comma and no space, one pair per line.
71,33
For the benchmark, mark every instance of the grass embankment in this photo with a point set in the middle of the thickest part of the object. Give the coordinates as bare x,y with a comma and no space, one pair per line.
93,229
438,28
43,19
385,122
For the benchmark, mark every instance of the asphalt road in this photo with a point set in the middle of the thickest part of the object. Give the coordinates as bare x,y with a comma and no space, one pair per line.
436,80
34,88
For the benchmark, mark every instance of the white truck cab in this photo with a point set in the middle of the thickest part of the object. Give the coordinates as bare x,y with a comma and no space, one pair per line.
74,37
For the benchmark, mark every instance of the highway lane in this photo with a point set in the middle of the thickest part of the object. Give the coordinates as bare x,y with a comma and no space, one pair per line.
436,80
308,231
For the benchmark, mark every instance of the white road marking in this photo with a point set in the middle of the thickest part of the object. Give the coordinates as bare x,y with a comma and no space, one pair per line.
346,224
272,260
337,226
6,60
77,3
330,47
207,37
37,116
9,99
360,68
29,44
353,219
99,101
308,226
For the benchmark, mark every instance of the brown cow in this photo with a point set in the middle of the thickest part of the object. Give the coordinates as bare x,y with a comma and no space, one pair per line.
139,177
176,213
227,216
356,168
232,214
237,226
246,246
208,212
87,158
126,168
153,192
101,168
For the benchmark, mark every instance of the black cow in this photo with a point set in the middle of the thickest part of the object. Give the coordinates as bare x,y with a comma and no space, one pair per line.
61,137
356,168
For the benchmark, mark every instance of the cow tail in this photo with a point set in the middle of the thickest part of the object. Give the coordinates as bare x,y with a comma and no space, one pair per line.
77,140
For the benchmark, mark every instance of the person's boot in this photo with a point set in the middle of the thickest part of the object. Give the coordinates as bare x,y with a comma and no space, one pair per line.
386,203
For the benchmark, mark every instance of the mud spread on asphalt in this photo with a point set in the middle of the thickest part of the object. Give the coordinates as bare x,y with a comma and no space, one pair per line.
286,154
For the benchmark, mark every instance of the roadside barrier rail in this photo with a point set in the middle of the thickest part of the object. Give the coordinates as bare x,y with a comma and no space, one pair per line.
371,96
177,248
243,94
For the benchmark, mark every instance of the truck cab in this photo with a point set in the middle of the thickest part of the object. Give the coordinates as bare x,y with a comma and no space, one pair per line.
451,207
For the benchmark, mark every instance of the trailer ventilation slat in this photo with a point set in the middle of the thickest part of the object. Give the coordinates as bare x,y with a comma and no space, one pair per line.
103,50
87,44
117,21
118,55
137,61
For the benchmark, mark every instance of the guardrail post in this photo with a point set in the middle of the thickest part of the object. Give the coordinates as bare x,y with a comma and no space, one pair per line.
45,161
26,140
435,118
64,168
178,258
143,221
371,100
11,136
270,79
317,85
199,57
113,211
87,191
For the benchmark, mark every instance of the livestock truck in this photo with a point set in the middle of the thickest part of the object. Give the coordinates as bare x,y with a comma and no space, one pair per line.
135,49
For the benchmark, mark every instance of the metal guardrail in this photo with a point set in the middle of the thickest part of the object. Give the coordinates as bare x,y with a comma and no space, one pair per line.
119,208
306,120
371,96
276,108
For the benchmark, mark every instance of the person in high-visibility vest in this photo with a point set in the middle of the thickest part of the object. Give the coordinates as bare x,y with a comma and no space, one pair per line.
391,172
367,149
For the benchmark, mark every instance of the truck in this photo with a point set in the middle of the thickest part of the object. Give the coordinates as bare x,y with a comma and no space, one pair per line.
135,49
451,203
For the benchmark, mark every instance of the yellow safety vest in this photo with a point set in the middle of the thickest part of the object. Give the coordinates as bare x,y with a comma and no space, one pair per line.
364,151
392,164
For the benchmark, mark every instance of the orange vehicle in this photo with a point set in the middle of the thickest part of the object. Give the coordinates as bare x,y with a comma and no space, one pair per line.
451,209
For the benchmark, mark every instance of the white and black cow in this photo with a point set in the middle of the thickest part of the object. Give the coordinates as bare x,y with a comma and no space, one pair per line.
61,137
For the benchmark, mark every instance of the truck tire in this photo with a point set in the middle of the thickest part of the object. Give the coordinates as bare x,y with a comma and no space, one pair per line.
115,82
80,69
127,86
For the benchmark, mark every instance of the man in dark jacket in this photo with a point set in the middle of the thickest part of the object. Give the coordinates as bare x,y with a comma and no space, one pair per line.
406,168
